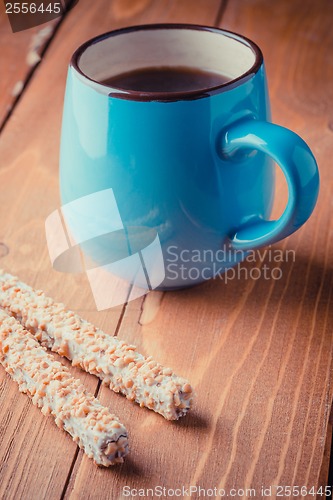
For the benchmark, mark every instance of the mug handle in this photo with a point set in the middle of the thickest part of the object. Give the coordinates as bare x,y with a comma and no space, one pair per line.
299,166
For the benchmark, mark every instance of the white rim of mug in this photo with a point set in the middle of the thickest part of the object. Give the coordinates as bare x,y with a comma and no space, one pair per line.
136,95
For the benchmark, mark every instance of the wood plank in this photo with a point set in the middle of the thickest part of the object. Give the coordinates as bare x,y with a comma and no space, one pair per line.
20,52
297,44
299,73
35,456
326,462
258,351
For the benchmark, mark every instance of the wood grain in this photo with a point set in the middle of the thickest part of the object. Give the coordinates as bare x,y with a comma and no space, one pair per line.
259,352
19,55
300,72
36,458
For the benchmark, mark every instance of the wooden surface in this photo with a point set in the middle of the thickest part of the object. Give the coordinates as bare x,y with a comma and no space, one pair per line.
20,54
259,352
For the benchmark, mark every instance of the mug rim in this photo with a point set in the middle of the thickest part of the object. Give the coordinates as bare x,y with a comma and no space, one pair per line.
137,95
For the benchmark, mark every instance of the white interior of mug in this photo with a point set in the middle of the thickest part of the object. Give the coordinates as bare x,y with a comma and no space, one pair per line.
206,49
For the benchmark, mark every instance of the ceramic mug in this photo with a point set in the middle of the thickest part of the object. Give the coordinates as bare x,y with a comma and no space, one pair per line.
193,169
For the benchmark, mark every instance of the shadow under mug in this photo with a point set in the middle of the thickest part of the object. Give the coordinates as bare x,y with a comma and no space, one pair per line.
175,177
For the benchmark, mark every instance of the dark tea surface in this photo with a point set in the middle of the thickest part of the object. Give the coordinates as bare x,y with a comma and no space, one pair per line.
166,79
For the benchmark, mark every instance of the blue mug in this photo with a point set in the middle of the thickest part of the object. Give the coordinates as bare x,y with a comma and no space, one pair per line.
187,173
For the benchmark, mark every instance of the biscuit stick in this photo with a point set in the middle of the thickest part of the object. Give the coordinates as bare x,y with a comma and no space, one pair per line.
53,389
116,363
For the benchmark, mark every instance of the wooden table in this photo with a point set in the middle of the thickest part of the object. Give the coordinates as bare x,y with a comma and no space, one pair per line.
259,352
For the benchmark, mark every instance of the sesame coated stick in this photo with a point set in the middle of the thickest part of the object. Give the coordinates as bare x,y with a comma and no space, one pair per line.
117,364
53,389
